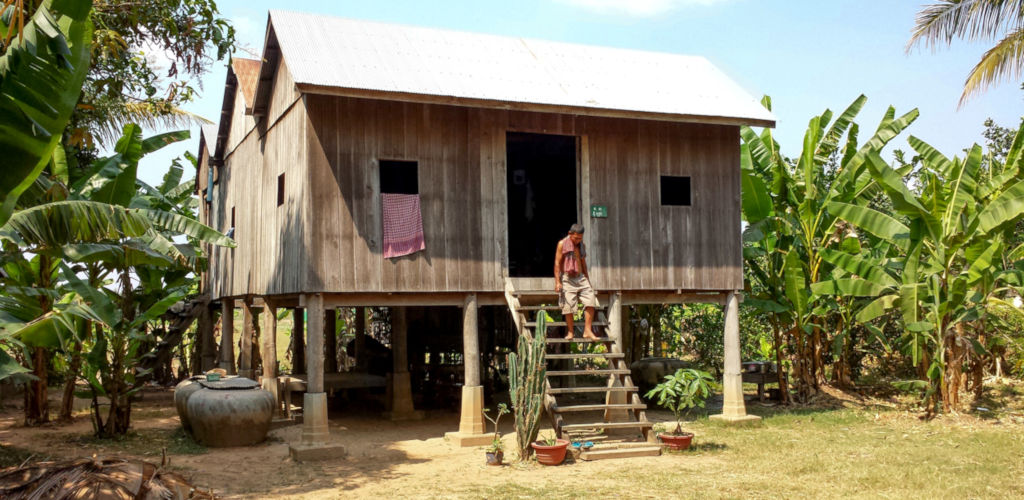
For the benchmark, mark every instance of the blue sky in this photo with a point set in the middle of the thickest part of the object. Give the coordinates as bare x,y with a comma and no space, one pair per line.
808,55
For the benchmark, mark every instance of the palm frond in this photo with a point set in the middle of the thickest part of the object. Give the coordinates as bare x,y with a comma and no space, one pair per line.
111,117
1005,60
939,23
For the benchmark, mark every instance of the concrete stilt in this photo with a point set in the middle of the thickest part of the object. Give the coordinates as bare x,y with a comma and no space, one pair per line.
733,408
316,443
401,385
471,426
227,335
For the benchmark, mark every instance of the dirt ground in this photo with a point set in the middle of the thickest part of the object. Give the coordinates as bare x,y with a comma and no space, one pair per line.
797,452
385,459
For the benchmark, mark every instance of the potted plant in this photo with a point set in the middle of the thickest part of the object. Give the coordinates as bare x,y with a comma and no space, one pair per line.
681,391
496,452
550,451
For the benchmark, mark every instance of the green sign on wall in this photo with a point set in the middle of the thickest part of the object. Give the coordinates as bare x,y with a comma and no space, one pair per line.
598,211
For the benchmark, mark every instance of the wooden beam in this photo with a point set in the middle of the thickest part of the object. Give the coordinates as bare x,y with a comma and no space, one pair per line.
409,299
298,341
268,345
227,336
331,341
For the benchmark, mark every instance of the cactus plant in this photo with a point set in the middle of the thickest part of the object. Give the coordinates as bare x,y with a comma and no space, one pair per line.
526,371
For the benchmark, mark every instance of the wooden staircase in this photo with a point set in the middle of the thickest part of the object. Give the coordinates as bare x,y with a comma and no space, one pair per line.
604,407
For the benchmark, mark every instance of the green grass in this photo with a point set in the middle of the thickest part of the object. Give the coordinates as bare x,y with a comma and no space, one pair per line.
843,453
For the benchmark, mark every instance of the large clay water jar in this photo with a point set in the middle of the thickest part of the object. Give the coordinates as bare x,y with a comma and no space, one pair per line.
230,412
182,391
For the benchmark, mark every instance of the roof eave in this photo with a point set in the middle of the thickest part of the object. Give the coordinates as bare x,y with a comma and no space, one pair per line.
308,88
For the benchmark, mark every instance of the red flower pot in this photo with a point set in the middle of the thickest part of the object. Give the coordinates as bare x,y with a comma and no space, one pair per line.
550,455
676,443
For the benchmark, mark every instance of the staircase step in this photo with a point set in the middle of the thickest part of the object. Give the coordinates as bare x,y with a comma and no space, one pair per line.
596,453
588,355
627,406
607,425
579,340
583,390
532,324
539,308
607,371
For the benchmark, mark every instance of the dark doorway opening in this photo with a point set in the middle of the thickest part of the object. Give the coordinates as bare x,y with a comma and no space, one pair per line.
541,183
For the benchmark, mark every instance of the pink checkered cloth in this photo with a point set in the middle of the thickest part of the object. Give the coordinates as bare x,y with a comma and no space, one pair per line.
403,225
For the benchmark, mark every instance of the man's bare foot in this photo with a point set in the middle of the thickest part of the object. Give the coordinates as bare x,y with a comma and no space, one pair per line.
589,335
569,337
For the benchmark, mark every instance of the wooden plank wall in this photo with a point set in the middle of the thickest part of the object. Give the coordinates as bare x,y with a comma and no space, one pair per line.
271,239
461,153
327,235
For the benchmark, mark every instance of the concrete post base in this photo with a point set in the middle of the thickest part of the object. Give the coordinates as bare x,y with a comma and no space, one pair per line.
468,440
401,402
472,430
302,452
736,419
314,418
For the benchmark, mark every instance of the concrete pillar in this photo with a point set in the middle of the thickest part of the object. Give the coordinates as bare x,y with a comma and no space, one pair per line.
316,443
245,343
401,386
298,340
314,408
268,345
361,359
471,426
227,335
733,408
331,341
615,335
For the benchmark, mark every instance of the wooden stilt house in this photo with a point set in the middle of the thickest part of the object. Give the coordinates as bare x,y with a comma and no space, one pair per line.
504,142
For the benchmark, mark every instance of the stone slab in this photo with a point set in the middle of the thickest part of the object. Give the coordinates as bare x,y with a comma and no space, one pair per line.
303,452
468,440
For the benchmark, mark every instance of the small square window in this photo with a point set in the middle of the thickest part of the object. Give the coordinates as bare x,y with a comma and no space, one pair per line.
280,190
399,177
675,190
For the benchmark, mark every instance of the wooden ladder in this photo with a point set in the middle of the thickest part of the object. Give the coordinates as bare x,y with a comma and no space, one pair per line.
618,425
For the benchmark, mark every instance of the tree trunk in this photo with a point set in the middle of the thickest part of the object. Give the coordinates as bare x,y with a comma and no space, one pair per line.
67,401
37,409
780,368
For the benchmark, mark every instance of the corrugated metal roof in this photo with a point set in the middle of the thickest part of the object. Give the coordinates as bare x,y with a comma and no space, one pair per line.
248,73
349,54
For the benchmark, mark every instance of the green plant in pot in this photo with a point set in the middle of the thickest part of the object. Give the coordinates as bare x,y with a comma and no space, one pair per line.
496,452
685,389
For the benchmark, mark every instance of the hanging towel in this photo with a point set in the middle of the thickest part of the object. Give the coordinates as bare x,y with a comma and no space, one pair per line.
403,224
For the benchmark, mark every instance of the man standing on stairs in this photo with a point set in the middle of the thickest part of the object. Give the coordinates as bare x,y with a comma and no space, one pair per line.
572,281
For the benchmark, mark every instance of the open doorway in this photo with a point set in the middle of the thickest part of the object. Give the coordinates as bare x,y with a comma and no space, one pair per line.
541,183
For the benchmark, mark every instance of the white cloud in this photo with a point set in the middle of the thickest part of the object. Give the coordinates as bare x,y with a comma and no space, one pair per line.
637,8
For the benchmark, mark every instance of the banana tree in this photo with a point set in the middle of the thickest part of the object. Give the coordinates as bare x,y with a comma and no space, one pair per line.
42,69
952,255
108,227
785,203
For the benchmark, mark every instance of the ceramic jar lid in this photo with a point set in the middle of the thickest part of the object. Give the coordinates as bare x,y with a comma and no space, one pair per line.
231,384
